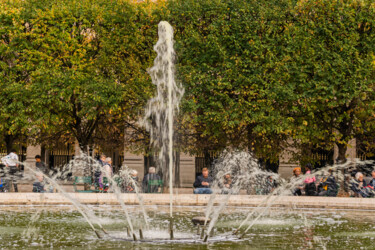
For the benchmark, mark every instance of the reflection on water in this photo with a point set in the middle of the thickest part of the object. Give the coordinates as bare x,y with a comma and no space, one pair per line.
62,226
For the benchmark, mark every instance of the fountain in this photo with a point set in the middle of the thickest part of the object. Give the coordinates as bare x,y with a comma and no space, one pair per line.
221,226
160,111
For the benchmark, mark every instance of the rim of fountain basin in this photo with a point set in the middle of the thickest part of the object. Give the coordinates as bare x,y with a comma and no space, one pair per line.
187,200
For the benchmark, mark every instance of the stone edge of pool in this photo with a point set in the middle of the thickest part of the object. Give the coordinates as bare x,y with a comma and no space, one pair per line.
187,200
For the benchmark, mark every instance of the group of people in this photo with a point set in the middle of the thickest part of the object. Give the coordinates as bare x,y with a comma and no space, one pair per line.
102,173
203,183
360,188
129,182
312,186
151,183
308,184
327,185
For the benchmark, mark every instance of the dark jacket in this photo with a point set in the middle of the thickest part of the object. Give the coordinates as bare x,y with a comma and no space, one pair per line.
356,188
41,166
200,179
330,186
38,187
147,188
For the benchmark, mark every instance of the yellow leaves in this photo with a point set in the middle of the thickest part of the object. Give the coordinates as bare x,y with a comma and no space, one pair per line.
304,123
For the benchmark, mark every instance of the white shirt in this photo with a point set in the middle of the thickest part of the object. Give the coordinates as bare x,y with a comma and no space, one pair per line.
10,160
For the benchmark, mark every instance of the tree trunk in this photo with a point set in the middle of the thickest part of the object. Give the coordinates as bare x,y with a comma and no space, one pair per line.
342,147
177,181
9,140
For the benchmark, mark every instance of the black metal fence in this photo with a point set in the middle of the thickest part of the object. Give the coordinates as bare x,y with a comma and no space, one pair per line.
57,158
322,158
205,160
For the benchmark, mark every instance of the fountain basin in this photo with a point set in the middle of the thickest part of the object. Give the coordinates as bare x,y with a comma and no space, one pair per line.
62,226
187,200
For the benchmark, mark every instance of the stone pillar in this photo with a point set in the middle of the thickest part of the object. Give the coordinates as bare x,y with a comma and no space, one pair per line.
77,152
286,165
351,151
136,162
31,152
187,170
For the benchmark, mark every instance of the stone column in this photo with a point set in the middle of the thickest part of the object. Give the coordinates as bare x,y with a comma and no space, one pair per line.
31,152
136,162
77,152
187,170
286,165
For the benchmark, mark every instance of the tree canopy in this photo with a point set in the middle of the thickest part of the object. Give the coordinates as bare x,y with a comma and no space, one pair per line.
260,75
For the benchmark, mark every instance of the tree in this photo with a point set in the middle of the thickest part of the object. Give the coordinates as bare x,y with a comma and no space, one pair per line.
330,71
13,77
230,57
88,63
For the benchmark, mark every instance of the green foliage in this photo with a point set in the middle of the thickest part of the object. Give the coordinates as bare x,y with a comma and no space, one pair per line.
14,97
258,74
331,71
230,60
85,61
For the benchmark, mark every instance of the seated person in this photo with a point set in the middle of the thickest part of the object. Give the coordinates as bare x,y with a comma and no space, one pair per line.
297,190
328,185
372,182
150,187
270,185
227,184
358,186
106,175
40,165
202,183
3,187
310,186
40,186
132,182
98,171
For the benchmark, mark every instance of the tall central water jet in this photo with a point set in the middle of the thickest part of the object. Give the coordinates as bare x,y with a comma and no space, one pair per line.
160,110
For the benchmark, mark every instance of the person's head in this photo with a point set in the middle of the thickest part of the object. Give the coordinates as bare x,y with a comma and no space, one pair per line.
151,170
359,176
38,158
297,171
205,172
373,174
133,173
227,176
308,167
13,150
330,171
108,160
39,177
103,157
